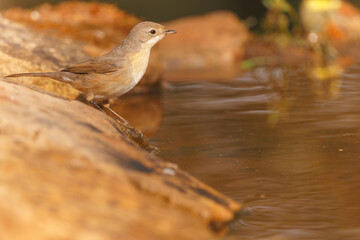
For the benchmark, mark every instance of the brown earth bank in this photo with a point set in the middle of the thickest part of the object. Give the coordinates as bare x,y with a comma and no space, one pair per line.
68,172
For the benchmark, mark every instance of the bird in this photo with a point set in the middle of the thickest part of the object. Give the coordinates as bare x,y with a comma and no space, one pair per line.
113,74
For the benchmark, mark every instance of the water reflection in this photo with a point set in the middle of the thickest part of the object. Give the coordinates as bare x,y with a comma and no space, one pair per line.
144,112
298,175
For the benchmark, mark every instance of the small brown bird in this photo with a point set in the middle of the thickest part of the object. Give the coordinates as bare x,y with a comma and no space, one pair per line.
114,73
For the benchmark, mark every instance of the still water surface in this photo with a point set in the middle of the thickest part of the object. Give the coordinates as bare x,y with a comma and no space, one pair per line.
283,145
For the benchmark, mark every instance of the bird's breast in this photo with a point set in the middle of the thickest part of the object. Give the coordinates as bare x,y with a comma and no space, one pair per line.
138,64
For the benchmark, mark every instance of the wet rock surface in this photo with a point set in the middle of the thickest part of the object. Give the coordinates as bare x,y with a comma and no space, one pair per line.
67,172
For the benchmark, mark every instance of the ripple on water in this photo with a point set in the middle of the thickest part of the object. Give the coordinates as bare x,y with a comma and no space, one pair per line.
298,175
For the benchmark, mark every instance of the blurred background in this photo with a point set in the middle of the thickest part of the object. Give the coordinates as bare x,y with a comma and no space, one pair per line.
163,10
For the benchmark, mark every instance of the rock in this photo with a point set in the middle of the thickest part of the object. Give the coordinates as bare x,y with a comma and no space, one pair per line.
100,25
67,173
209,41
22,50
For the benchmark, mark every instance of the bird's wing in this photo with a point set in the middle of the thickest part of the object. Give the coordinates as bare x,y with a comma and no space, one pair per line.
96,65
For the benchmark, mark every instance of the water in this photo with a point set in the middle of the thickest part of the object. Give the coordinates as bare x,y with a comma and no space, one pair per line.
285,146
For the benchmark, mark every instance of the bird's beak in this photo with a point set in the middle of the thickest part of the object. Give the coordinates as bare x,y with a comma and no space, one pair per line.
170,32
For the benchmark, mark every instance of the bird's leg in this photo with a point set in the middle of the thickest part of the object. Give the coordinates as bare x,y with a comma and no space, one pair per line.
97,106
90,99
107,106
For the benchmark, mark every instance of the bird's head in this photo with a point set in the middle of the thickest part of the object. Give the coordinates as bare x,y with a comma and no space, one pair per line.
148,33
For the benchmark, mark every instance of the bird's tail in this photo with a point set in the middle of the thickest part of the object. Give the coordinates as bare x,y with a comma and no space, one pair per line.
53,75
43,74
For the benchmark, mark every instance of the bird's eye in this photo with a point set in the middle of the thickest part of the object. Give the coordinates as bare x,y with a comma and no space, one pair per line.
152,31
